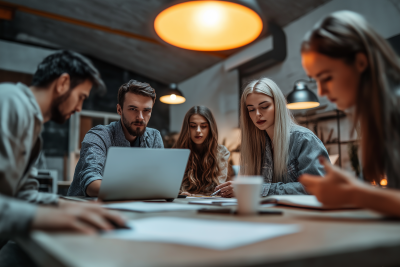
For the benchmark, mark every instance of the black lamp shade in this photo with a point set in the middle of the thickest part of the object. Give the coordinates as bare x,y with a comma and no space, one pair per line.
173,95
301,97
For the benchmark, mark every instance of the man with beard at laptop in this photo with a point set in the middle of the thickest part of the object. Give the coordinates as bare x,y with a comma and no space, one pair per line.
135,104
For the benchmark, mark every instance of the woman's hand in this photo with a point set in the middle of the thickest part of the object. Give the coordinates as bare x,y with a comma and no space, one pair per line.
226,189
335,189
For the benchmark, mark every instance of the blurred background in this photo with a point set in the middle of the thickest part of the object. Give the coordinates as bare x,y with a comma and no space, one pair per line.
120,38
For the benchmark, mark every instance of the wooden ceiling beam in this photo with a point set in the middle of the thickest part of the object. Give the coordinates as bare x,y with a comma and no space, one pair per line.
77,22
89,25
6,13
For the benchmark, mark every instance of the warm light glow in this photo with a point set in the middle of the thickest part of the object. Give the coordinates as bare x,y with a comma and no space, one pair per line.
302,105
172,99
208,25
384,182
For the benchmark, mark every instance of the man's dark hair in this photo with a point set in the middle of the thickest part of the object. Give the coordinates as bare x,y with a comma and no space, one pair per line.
77,66
136,88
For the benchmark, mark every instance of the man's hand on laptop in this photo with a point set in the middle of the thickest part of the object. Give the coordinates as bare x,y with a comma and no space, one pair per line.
86,218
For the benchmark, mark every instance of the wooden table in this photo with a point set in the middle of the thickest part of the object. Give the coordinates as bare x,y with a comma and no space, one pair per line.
334,238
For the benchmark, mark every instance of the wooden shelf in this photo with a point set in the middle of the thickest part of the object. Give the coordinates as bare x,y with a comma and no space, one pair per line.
322,116
342,143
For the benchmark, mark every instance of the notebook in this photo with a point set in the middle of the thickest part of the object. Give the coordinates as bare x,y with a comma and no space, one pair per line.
300,201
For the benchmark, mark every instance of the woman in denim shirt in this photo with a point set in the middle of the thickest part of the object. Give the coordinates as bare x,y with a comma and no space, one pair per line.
273,146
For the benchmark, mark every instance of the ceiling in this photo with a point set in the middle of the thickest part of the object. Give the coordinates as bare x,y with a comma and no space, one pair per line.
151,58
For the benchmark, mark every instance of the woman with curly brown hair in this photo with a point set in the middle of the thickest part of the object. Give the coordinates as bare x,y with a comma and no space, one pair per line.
208,162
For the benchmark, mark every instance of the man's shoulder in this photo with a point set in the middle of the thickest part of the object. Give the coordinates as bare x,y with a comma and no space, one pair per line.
15,103
102,128
153,138
152,132
11,91
100,131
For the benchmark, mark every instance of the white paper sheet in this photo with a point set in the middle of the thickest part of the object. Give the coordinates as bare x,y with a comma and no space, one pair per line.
206,197
211,234
212,203
216,202
150,207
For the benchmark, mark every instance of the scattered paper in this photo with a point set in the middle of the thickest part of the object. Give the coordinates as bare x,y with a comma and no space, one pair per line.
222,202
211,234
213,203
307,201
150,207
206,197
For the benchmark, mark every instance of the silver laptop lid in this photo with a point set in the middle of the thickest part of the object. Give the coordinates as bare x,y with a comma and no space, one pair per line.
143,173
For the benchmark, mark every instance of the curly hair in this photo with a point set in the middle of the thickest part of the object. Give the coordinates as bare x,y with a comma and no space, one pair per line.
202,170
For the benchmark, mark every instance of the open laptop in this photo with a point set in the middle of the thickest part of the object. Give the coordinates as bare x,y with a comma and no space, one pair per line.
143,173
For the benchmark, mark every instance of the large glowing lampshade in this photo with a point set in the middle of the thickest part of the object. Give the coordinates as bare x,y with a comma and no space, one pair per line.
208,25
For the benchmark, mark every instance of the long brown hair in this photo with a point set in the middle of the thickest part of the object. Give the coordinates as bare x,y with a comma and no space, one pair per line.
202,170
343,35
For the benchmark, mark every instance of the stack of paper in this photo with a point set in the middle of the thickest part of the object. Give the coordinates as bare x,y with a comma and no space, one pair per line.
219,235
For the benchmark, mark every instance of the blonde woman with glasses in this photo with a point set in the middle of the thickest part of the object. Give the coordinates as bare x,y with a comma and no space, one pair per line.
273,146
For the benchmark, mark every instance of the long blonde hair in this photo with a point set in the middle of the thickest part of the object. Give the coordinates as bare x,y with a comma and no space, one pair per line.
254,141
202,170
342,35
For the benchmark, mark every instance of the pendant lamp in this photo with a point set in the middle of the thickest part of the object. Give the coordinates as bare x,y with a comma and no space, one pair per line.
209,25
301,97
173,96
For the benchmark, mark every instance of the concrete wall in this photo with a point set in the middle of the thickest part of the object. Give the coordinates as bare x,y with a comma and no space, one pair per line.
21,58
218,89
383,15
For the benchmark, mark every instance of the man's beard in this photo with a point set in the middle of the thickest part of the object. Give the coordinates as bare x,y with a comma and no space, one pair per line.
56,114
134,132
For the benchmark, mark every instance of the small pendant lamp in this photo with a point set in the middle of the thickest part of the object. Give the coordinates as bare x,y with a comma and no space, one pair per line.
301,97
173,96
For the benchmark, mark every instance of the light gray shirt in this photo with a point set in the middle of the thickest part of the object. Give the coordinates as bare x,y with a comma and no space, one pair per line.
20,143
304,150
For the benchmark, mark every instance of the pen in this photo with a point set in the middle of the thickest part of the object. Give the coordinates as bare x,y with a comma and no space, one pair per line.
216,192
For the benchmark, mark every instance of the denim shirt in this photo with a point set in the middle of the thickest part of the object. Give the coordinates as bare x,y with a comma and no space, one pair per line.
94,149
304,150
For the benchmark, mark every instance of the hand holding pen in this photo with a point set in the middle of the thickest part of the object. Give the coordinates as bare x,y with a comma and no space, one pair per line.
224,190
216,192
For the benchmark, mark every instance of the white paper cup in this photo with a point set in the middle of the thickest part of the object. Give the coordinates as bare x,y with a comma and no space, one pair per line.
247,191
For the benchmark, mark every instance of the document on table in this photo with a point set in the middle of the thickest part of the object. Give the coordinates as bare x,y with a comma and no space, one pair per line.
150,207
206,197
216,202
211,234
301,201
